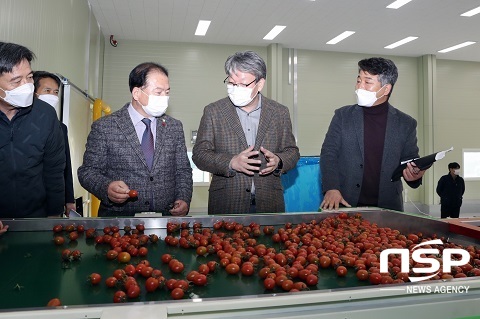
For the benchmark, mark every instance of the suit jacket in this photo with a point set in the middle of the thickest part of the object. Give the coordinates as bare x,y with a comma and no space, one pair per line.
113,152
69,194
341,158
220,137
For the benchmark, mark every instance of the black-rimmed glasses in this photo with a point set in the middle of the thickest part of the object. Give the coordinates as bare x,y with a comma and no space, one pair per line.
242,85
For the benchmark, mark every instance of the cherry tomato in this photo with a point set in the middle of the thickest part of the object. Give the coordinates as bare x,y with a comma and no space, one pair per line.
177,267
133,291
151,284
362,274
200,280
95,278
269,283
130,270
166,258
55,302
133,193
57,228
73,235
341,271
111,282
232,269
119,296
111,254
177,293
76,255
80,228
123,257
58,240
119,274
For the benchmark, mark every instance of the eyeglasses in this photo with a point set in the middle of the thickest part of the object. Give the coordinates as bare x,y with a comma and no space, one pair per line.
242,85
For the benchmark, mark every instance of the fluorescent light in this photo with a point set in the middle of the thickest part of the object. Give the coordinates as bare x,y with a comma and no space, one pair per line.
274,32
397,4
202,27
340,37
401,42
458,46
471,12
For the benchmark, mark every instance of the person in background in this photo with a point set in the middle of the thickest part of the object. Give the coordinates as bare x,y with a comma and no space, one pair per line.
451,188
245,140
366,141
47,86
139,148
32,147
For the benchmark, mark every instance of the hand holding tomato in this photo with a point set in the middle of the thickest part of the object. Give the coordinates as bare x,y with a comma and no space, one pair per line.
118,192
3,228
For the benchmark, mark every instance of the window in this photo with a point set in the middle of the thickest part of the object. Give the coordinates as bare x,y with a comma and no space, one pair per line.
200,178
471,164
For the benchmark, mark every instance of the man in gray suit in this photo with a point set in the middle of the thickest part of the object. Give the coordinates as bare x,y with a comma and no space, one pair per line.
245,140
366,142
139,148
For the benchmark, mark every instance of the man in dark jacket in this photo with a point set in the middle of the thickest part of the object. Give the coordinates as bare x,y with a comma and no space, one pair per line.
450,188
32,151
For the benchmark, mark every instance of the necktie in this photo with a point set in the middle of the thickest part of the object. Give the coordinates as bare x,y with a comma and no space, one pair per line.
147,143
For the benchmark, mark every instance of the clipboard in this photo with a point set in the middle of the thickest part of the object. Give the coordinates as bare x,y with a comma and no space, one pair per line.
422,163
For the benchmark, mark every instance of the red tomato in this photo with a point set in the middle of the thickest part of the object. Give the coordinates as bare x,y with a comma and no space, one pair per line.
55,302
58,240
95,278
130,270
232,269
133,291
201,250
200,280
73,235
269,283
151,284
57,228
133,193
111,254
177,267
166,258
111,282
375,278
362,274
123,257
177,293
76,255
341,271
119,296
311,280
119,274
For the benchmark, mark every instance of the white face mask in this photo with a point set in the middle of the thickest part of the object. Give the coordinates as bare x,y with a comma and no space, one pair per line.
367,98
240,96
21,96
52,100
157,105
456,171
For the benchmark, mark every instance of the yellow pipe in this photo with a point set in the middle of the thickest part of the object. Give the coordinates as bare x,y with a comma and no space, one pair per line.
98,108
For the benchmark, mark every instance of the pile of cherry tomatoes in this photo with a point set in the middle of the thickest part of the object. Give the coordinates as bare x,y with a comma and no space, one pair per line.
345,242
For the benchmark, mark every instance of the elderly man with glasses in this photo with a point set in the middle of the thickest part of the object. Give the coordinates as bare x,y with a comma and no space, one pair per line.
245,140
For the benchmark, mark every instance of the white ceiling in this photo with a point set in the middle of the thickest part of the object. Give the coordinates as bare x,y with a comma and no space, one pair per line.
310,24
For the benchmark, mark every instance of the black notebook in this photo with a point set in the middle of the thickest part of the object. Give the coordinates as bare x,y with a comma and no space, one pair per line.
422,163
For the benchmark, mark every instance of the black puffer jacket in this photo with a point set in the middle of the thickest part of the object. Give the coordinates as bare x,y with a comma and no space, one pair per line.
32,161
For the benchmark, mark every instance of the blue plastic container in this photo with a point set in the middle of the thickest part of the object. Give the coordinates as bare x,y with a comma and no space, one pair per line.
302,186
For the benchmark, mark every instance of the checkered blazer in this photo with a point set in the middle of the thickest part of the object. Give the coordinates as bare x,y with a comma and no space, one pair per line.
113,152
220,137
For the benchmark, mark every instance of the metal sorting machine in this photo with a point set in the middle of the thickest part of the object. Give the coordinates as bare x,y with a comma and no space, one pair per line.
32,275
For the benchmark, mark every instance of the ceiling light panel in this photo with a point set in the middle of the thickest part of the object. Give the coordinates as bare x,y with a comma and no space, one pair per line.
471,12
274,32
397,4
202,27
456,47
401,42
341,37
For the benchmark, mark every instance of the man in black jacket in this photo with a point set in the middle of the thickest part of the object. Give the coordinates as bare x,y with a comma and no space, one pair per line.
450,188
32,150
47,86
